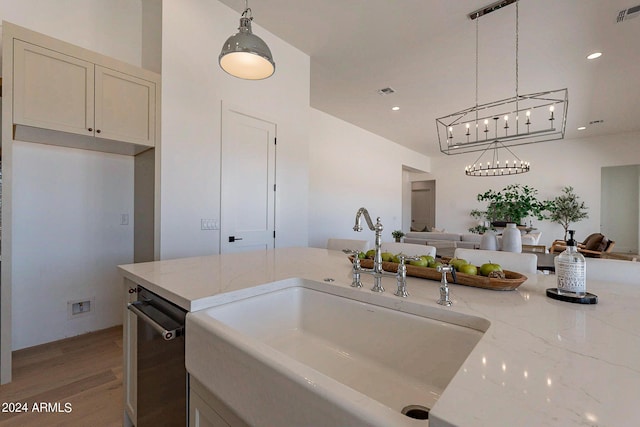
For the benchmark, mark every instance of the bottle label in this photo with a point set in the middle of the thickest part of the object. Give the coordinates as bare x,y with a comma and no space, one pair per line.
571,276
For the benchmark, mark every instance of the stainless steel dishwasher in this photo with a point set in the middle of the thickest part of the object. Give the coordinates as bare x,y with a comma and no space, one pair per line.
162,381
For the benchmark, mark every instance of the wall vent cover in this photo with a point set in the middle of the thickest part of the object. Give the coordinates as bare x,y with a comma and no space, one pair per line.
626,14
386,91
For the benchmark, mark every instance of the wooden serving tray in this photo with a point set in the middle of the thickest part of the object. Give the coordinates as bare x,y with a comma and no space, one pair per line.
511,281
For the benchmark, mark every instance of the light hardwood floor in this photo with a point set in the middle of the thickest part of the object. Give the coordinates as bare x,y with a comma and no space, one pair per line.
83,374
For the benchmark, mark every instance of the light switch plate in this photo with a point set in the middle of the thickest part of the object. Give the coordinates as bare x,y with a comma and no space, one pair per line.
209,224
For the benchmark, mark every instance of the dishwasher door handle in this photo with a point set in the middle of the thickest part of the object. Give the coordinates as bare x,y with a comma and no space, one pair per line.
166,334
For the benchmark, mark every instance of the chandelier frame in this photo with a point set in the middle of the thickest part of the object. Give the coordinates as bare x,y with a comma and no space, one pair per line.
535,117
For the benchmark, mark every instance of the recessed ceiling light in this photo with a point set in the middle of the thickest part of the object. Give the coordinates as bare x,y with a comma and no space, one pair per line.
396,108
594,55
582,128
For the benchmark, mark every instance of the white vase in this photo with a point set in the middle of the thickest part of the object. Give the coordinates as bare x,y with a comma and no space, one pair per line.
489,241
511,239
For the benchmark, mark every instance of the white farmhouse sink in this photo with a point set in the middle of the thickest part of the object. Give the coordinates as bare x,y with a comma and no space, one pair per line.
310,353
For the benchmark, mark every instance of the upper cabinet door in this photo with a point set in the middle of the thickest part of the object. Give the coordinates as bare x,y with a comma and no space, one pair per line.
124,107
52,90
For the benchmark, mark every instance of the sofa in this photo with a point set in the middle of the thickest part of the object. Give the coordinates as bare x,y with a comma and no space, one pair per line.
459,240
444,240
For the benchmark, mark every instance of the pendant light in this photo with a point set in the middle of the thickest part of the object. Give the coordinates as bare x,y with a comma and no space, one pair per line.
245,55
522,119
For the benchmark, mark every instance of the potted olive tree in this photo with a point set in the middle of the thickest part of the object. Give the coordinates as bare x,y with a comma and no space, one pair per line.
567,209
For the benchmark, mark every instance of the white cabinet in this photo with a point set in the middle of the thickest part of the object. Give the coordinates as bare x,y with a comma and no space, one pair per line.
61,92
206,410
129,343
201,414
52,90
124,107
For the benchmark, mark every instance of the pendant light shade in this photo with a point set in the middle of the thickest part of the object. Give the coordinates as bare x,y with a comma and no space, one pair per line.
245,55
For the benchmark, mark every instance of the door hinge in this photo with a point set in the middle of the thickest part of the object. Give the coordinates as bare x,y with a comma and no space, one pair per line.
274,187
275,141
274,234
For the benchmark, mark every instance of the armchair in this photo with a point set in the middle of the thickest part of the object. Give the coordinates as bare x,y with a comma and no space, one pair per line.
594,246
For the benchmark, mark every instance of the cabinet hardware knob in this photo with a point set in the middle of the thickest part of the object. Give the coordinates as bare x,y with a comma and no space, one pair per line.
98,131
90,129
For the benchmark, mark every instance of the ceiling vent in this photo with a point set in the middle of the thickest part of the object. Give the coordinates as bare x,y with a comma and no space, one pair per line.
626,14
386,91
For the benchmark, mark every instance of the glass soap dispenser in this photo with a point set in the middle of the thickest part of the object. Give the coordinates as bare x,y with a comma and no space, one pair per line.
571,270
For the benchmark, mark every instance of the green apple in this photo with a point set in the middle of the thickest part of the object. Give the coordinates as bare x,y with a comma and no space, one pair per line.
437,264
488,267
420,262
371,253
457,263
428,258
395,259
387,256
468,269
433,263
362,255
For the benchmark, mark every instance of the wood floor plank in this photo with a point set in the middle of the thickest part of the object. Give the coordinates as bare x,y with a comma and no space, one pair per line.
83,374
85,361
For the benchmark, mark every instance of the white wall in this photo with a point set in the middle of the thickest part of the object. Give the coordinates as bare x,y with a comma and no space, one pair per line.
110,27
152,35
554,165
66,237
193,88
352,168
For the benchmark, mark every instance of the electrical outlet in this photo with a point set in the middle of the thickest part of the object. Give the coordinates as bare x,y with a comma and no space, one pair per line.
80,308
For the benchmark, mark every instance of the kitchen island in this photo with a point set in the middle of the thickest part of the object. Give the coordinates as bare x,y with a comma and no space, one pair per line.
541,361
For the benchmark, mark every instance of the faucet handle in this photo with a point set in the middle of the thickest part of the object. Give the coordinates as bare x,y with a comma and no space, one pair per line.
401,276
444,288
356,282
403,258
444,269
351,252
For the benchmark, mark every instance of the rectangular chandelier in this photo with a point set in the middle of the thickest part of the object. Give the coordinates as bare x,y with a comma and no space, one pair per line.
522,119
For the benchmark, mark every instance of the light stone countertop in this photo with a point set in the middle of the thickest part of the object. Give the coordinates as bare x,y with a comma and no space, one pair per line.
542,362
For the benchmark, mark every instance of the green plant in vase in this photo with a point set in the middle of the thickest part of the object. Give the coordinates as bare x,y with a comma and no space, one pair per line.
397,235
514,203
567,209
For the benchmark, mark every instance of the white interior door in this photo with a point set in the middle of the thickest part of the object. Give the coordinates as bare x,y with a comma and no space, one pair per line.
619,206
423,203
247,217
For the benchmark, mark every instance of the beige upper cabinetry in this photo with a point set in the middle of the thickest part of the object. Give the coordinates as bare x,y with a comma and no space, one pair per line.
52,90
65,95
124,107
